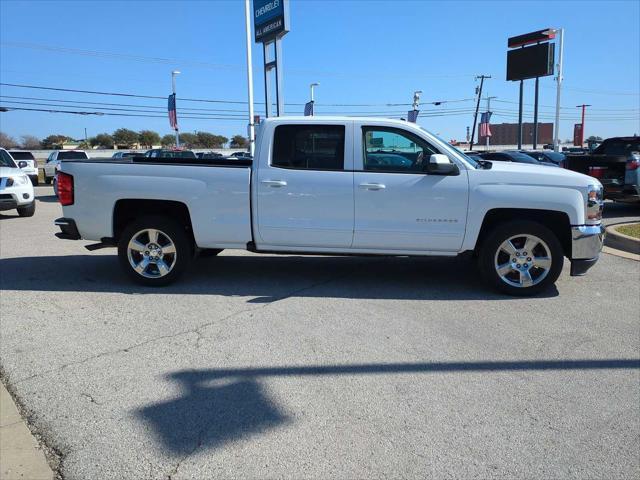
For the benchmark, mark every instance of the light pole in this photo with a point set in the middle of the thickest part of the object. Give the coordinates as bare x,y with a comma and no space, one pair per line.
252,135
173,88
315,84
559,78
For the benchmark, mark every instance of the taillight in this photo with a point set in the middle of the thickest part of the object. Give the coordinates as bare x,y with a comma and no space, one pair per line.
65,188
597,172
634,162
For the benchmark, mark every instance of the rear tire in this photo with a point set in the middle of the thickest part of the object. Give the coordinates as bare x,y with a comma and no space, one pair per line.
47,180
521,258
155,259
27,210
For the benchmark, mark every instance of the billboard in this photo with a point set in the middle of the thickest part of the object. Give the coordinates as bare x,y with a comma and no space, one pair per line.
530,62
270,19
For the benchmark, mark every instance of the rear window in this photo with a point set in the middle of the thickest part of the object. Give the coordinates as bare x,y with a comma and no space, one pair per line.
72,156
22,155
309,147
185,154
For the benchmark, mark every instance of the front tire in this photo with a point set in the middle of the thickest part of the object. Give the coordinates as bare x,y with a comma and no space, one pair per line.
27,210
154,250
521,258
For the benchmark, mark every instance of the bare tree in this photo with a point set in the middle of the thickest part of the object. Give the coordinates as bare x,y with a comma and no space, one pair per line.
6,141
29,142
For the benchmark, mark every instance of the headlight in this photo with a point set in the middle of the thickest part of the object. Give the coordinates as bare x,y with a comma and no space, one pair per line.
594,204
19,180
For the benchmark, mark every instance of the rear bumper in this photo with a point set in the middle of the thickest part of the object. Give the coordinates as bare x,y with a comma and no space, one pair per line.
68,229
586,245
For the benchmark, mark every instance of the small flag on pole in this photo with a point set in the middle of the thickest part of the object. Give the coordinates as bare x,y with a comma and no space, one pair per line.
308,109
485,131
173,116
412,115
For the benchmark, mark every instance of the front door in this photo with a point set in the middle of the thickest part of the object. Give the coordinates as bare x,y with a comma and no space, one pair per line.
305,193
398,206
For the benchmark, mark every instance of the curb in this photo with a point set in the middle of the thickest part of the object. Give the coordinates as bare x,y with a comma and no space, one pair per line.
620,241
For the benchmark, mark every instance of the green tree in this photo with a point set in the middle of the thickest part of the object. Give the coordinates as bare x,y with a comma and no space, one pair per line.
125,137
148,138
29,142
102,140
6,141
238,141
168,140
593,137
53,142
189,140
208,140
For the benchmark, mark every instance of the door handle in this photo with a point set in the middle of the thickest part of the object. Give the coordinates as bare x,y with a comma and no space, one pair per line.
274,183
373,186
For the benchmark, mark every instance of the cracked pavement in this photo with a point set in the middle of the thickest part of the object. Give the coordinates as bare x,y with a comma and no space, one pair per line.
316,367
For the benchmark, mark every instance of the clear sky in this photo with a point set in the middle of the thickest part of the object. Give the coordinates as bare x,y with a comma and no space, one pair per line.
361,52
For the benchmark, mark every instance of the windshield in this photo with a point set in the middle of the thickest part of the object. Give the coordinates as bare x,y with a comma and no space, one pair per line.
451,149
72,156
22,155
6,160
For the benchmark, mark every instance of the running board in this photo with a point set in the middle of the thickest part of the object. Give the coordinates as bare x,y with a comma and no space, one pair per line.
105,242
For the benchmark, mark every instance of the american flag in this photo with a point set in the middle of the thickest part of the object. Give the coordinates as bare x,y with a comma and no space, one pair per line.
485,131
412,115
173,116
308,109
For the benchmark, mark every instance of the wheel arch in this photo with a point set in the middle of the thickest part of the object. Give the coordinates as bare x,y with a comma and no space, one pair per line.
127,210
556,221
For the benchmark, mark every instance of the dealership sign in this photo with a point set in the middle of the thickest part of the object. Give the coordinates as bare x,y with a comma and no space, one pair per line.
270,19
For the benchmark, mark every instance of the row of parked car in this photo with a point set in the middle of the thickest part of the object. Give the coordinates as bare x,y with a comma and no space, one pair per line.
535,157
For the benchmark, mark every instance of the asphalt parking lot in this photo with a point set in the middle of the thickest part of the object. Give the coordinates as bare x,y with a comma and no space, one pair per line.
317,367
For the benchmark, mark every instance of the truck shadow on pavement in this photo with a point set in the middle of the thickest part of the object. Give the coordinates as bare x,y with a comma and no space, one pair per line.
222,405
266,278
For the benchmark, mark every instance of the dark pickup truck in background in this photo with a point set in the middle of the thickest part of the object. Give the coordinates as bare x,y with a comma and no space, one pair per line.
616,164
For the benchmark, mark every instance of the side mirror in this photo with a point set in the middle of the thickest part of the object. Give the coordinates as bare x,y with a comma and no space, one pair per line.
22,164
441,165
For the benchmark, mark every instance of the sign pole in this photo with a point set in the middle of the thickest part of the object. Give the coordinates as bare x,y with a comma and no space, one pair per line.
250,126
535,117
267,80
475,117
520,116
279,81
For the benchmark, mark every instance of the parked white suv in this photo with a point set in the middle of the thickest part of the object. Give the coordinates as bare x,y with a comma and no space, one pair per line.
53,161
27,163
16,190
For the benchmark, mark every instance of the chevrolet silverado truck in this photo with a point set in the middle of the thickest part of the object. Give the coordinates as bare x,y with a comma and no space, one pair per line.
336,186
616,164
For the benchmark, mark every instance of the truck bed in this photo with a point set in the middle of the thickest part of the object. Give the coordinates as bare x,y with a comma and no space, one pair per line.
608,169
216,193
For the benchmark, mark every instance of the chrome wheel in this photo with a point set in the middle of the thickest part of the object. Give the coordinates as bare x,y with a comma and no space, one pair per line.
523,261
151,253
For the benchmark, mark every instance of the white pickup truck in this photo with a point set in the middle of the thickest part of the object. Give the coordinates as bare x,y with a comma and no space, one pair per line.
337,185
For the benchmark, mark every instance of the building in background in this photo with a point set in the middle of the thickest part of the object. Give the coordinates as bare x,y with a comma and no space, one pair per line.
507,134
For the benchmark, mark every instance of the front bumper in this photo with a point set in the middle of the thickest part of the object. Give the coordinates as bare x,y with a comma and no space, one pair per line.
586,245
14,197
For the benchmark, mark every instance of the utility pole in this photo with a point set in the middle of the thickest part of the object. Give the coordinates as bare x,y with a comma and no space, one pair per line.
173,88
86,139
486,138
559,78
251,124
583,106
475,117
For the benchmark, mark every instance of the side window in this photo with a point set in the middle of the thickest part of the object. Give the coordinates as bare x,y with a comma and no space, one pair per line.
50,157
309,147
394,150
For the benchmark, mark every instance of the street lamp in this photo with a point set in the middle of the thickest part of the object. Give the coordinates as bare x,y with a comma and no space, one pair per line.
315,84
173,89
559,78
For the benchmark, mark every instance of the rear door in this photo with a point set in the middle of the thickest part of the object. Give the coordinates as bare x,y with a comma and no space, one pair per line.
305,188
398,206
